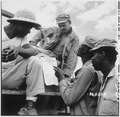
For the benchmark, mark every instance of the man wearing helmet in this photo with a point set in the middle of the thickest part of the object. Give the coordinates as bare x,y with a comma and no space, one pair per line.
19,61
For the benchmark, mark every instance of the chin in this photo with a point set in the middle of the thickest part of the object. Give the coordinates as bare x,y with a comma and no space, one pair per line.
96,68
21,36
64,31
79,54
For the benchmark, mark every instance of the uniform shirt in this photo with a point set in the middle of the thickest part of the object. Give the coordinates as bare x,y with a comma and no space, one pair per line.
108,101
81,95
56,43
7,42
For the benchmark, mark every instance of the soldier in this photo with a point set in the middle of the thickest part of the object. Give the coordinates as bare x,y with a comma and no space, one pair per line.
104,60
61,41
81,95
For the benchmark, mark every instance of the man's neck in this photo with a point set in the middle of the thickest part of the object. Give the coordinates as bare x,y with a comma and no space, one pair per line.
85,58
106,70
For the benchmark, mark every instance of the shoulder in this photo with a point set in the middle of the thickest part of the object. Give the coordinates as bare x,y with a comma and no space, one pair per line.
89,68
74,37
86,69
54,28
94,72
5,42
85,74
74,34
50,30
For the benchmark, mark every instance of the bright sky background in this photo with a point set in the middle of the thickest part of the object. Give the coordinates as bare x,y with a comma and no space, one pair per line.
95,18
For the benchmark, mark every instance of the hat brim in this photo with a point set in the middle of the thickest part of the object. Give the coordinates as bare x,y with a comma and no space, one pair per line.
59,22
96,48
33,23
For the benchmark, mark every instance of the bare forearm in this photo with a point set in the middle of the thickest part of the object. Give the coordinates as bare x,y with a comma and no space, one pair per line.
25,53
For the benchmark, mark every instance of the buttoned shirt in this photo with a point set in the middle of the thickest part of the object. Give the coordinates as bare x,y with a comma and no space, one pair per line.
109,101
81,95
55,41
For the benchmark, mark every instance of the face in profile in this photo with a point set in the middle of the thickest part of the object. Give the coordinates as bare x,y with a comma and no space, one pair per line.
97,61
81,50
23,29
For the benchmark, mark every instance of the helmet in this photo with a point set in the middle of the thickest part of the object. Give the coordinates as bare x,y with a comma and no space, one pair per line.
25,16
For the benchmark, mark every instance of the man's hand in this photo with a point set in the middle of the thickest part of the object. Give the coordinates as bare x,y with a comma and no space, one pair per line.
10,53
4,55
13,51
59,73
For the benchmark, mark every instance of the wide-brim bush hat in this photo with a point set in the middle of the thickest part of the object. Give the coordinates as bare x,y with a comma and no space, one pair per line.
25,16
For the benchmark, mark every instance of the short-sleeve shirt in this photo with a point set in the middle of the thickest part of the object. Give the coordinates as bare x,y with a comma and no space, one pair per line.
6,42
108,101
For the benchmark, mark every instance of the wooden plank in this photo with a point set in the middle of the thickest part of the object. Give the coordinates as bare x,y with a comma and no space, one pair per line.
49,90
13,92
7,13
22,92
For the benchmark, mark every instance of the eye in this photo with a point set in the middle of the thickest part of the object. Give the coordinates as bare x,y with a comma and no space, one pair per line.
61,25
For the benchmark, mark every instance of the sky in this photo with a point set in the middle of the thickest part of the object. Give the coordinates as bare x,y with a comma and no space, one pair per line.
96,18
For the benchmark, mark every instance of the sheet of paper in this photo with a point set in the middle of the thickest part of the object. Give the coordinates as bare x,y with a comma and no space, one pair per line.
49,73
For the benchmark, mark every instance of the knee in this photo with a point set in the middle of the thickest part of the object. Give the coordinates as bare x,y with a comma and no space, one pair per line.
35,60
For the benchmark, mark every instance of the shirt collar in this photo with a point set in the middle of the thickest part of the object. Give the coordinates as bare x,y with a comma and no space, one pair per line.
112,73
69,31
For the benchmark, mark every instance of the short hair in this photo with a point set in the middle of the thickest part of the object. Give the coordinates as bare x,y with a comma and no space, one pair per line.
110,53
88,52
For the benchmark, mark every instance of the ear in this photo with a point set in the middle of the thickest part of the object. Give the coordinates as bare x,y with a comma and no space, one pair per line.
103,55
85,50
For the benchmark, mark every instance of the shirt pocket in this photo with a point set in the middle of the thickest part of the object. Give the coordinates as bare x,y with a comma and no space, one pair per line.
108,107
68,47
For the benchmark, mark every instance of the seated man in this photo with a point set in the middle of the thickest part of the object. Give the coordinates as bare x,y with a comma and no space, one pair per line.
19,62
60,42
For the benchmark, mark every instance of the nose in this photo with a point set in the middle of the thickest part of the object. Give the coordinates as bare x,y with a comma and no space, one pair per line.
92,61
61,28
28,31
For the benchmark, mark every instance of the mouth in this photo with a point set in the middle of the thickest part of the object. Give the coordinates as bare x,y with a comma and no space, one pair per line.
63,30
92,62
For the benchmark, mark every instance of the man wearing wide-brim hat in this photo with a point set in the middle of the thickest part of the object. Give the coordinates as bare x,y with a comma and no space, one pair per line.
104,60
19,63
